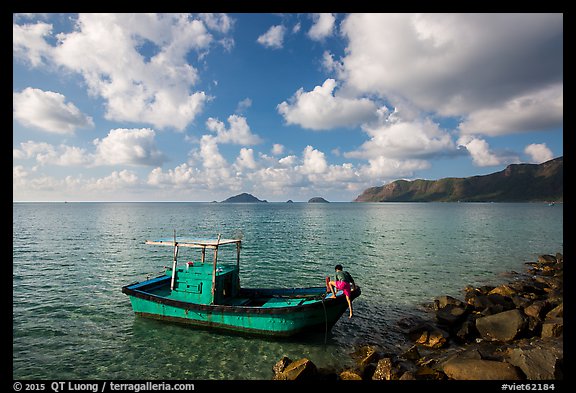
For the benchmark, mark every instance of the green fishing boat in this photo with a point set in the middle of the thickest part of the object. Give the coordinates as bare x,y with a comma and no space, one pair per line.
207,293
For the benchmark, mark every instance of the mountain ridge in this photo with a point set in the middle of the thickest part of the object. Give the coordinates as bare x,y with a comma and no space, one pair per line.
516,183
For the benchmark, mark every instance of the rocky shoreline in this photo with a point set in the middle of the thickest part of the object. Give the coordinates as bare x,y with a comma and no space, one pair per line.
512,332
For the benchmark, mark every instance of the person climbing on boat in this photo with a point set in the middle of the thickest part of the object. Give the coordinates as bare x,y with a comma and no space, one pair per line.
343,282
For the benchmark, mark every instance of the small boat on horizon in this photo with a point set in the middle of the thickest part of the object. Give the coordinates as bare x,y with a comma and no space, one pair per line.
208,294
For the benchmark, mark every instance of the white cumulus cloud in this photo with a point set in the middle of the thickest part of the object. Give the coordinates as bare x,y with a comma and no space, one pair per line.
155,89
481,153
454,64
128,147
48,111
323,26
46,154
238,133
538,152
320,109
398,135
539,110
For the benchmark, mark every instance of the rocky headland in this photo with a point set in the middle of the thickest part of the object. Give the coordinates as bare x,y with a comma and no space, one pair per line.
512,331
517,183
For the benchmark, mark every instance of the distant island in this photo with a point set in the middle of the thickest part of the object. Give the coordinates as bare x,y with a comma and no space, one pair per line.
244,198
317,200
517,183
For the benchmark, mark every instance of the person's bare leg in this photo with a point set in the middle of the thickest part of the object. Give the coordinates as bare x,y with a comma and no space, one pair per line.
349,306
332,286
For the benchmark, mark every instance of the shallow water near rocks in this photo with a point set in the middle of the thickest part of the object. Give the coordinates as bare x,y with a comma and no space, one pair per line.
70,260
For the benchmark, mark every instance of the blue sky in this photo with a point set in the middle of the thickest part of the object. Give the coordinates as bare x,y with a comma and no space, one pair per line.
200,107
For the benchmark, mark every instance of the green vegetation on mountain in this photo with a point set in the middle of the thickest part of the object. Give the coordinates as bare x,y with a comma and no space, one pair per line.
516,183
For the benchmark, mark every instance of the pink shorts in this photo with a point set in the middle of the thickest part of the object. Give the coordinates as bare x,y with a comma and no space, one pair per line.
344,287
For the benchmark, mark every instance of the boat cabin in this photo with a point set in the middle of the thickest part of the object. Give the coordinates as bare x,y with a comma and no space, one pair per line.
203,280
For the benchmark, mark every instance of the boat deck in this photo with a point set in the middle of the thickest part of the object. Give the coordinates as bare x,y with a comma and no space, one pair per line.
263,298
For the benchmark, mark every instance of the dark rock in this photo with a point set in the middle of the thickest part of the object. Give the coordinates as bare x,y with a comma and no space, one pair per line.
476,369
546,258
411,353
367,371
555,297
365,355
556,312
552,327
538,359
408,376
443,301
467,330
482,290
470,353
451,314
297,370
408,324
491,304
281,364
430,336
326,374
385,370
429,373
504,326
520,302
533,326
549,282
537,309
503,290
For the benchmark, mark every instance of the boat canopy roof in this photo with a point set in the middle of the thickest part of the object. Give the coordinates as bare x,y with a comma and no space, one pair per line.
193,242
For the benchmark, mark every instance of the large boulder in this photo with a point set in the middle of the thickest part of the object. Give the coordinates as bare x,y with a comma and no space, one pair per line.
504,326
478,369
539,359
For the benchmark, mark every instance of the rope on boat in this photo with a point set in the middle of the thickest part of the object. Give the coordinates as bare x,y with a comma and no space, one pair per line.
325,320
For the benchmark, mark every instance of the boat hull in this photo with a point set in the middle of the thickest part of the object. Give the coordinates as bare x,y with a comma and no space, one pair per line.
286,312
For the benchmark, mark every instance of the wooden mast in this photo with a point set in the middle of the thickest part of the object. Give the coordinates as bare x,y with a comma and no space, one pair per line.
174,262
214,270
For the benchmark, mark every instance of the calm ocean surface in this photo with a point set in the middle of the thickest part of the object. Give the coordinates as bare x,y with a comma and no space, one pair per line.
70,260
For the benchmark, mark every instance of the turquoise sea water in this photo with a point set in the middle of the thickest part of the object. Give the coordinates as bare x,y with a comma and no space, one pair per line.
70,260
